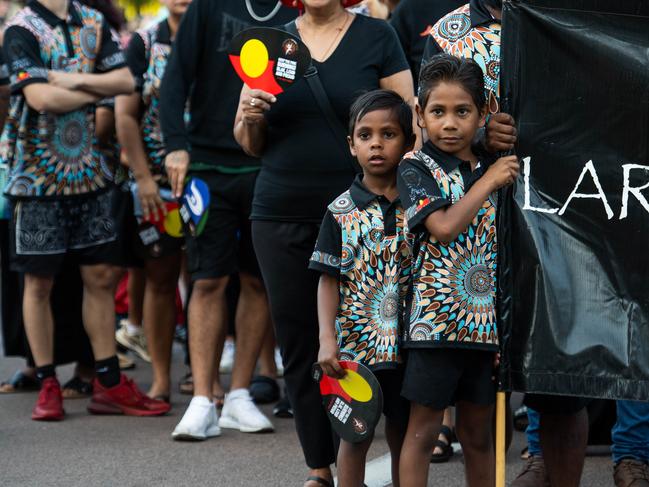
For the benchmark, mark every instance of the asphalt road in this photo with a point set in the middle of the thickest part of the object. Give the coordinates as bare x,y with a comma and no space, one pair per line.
108,451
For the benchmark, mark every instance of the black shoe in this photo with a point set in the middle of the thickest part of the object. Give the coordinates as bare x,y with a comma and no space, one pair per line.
264,390
283,408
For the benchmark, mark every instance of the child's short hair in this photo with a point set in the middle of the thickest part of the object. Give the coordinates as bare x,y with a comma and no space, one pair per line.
381,100
447,68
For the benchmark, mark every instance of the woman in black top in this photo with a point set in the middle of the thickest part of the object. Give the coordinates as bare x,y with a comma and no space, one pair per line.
304,167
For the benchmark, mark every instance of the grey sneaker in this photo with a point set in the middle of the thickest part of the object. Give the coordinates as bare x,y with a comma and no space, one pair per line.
631,473
136,343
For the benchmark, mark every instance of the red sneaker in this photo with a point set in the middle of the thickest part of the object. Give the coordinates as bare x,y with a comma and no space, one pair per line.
49,406
124,398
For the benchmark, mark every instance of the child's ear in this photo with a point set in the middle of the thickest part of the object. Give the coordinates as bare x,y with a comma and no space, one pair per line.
420,116
483,116
350,141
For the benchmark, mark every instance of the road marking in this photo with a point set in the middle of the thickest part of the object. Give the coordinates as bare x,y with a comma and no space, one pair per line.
378,472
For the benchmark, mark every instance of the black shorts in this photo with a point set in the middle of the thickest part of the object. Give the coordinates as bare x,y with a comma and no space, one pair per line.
395,407
225,245
440,377
43,232
549,404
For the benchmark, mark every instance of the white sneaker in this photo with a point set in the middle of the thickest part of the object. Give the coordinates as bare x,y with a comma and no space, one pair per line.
240,413
199,422
227,357
133,341
279,364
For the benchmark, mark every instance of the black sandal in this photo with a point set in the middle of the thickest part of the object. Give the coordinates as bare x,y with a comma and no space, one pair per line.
186,384
76,388
20,382
320,480
447,448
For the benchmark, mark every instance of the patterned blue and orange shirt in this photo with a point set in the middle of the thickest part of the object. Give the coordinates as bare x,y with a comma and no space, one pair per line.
362,243
147,55
470,32
452,297
54,155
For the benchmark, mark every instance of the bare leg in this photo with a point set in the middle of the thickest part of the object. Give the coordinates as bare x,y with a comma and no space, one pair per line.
423,429
251,322
207,308
160,317
99,283
135,295
351,463
37,315
395,433
473,427
217,388
563,443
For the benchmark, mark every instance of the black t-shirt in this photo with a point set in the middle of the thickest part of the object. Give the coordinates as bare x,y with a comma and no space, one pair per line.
413,19
200,71
303,166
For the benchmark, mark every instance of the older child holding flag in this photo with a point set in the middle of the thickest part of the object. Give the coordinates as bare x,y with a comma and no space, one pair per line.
451,334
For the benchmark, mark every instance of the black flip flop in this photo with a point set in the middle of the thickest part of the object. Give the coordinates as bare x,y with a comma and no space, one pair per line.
21,382
447,448
186,384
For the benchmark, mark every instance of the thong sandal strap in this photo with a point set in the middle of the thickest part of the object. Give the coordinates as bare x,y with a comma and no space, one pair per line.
320,480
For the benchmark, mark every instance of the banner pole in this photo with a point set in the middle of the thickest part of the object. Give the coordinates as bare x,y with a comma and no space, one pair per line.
500,438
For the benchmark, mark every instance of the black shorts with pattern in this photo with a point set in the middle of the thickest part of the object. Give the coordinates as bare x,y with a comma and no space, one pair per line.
43,232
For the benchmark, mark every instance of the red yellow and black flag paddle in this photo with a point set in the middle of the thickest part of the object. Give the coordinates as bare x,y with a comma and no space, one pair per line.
354,403
269,59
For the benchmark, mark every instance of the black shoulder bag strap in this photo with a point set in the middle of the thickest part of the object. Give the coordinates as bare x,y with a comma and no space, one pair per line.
335,125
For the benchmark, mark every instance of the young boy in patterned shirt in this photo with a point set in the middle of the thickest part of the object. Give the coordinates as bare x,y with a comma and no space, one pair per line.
450,319
365,263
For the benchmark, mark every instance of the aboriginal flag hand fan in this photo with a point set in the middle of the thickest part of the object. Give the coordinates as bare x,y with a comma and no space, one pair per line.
269,59
353,403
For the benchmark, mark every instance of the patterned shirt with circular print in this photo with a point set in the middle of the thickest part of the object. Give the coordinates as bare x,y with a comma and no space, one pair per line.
55,154
452,298
362,243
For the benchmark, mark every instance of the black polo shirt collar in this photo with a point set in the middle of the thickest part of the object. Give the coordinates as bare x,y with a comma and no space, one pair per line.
360,194
164,33
74,18
362,197
479,14
447,161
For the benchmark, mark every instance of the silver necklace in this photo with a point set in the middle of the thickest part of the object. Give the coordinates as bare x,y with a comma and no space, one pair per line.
267,17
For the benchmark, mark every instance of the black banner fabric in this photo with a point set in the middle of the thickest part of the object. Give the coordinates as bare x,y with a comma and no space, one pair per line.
574,230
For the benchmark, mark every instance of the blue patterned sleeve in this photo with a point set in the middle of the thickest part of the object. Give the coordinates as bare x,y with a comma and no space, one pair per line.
328,248
419,192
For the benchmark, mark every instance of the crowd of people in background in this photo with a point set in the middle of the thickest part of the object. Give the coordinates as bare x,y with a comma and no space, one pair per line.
365,233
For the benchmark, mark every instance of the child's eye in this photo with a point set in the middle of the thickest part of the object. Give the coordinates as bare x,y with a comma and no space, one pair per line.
363,136
437,112
463,112
389,135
